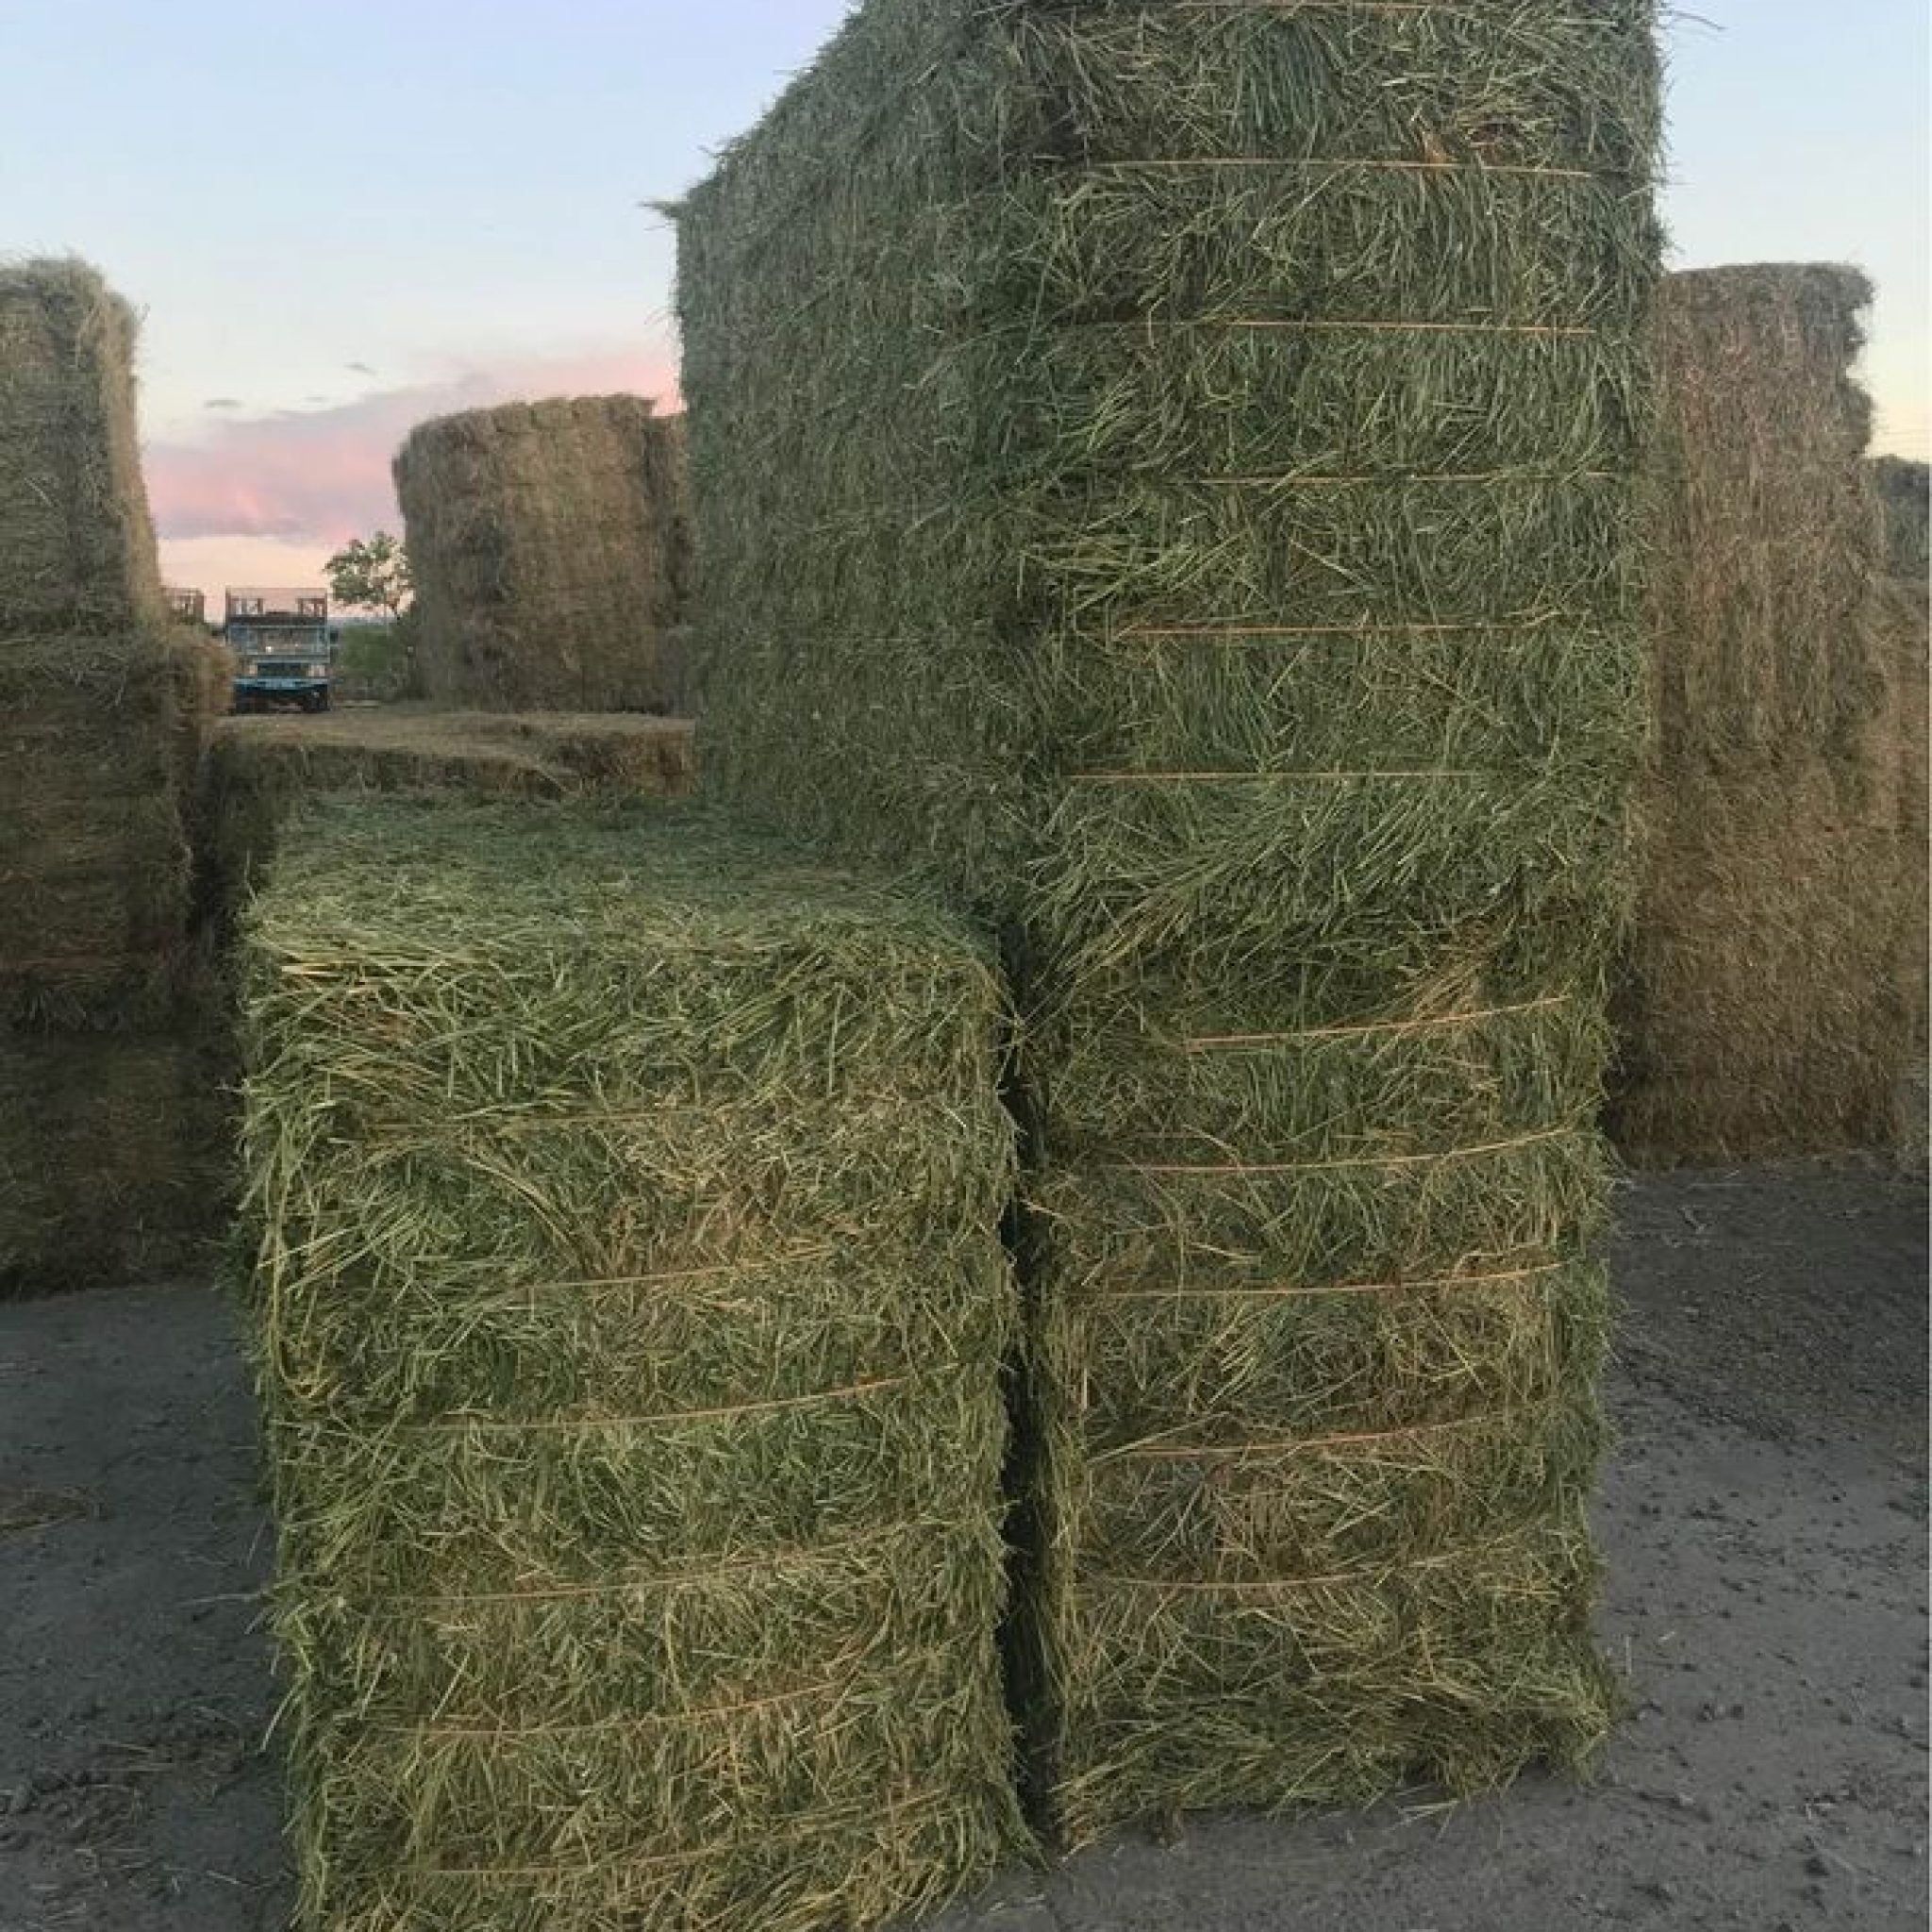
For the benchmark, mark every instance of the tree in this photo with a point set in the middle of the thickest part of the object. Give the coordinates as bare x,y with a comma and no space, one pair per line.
371,574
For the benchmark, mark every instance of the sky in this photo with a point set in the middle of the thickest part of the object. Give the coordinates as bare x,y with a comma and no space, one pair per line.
340,221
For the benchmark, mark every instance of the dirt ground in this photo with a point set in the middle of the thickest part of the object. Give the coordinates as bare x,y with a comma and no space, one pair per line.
1764,1517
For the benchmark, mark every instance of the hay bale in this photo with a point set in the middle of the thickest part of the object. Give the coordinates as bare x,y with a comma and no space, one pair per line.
97,738
629,1307
112,1158
109,1112
1765,996
1236,607
259,767
549,548
77,545
1904,496
1905,621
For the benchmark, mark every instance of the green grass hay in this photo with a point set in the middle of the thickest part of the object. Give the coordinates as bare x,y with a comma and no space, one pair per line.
1770,981
1220,573
549,544
259,769
106,1135
630,1309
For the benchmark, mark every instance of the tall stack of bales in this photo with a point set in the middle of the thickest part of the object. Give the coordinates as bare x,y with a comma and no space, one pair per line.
1905,498
102,708
630,1308
1219,571
549,544
1763,1008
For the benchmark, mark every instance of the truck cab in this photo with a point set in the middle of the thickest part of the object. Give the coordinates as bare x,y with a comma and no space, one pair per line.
283,647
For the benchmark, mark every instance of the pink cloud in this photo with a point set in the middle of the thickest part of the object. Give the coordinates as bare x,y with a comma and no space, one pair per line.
320,476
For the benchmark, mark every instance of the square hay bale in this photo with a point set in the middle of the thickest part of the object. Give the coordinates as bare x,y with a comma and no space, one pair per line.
77,545
1907,624
630,1308
1771,982
112,1158
259,769
1235,603
97,738
549,546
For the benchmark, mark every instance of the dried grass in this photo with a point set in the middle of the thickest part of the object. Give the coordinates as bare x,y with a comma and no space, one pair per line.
630,1311
77,545
1236,606
98,736
259,769
1768,989
112,1158
549,545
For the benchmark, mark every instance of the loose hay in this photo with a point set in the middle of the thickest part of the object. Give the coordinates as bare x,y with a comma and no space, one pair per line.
630,1307
549,548
1221,578
1766,999
76,546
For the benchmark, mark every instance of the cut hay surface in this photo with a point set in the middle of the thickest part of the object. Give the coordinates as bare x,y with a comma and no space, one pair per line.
1771,981
77,545
1237,608
112,1158
259,767
630,1308
549,548
99,739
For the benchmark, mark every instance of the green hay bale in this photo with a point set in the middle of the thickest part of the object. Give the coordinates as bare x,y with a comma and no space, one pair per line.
1770,982
548,543
77,545
112,1158
1222,578
259,769
630,1308
98,736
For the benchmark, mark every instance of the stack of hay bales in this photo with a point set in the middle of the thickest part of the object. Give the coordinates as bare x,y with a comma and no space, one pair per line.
630,1308
104,706
548,543
1234,604
1764,1005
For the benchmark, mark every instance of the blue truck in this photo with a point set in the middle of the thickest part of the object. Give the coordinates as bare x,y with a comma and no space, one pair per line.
283,647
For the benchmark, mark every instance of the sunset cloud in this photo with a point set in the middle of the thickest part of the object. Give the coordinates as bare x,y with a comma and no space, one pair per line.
319,476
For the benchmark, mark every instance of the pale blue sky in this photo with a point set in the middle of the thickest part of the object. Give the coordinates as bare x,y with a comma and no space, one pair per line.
340,218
